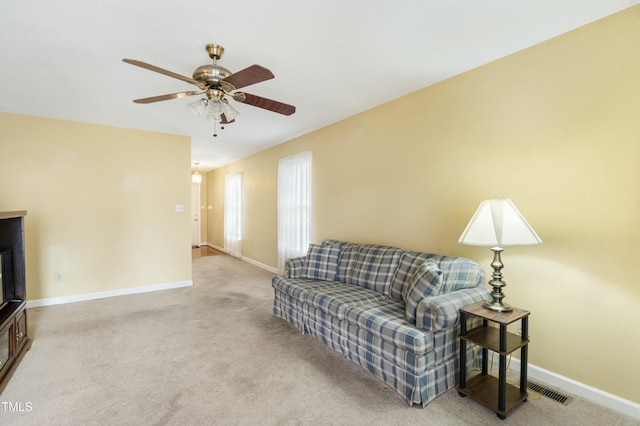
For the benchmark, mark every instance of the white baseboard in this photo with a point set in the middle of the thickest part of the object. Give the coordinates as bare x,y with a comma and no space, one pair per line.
247,259
108,293
213,246
597,396
260,265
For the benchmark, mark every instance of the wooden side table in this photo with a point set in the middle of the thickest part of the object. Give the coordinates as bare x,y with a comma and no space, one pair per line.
494,392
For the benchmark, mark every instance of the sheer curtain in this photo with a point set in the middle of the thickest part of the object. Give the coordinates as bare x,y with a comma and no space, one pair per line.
233,214
294,206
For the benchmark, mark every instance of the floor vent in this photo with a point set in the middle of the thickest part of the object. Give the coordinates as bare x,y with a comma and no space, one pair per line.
548,393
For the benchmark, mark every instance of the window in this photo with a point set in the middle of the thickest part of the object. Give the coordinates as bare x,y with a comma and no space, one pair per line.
294,206
233,214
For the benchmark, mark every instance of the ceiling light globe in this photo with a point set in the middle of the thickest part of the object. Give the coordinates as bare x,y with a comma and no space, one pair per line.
198,107
230,112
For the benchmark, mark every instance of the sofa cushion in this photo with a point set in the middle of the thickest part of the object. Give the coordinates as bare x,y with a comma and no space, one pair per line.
426,280
335,300
385,319
297,288
321,263
374,267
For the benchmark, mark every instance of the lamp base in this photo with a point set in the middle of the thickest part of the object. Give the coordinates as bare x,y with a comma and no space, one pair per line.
497,306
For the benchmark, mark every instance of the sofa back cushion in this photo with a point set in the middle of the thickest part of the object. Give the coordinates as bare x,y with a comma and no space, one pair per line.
348,255
321,263
374,267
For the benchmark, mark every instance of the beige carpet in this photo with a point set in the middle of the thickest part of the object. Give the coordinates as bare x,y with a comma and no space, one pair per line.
215,354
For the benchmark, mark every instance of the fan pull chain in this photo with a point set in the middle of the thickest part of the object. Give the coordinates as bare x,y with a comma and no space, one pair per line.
215,131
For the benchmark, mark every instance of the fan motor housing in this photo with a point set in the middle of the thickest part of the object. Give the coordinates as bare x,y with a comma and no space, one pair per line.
210,73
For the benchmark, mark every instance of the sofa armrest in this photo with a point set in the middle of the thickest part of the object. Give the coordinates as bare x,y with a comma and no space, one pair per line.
293,267
443,311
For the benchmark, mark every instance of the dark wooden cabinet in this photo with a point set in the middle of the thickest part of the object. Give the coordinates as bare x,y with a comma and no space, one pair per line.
21,329
5,347
14,338
494,392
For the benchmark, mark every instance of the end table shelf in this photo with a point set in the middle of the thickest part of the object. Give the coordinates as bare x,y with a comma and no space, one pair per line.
494,392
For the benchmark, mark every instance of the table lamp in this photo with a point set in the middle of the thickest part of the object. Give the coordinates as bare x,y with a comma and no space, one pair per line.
498,223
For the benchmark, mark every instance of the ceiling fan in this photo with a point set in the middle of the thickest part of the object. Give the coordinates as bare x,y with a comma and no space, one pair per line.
218,83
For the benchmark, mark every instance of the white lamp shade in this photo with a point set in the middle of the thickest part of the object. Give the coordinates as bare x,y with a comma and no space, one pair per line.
499,223
196,178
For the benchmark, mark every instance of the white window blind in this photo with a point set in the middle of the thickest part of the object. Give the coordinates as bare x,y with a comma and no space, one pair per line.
233,214
294,206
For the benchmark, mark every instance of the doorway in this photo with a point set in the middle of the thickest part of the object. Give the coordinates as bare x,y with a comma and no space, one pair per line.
195,215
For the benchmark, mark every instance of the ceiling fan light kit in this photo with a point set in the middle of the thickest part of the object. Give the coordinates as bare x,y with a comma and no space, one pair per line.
217,83
215,110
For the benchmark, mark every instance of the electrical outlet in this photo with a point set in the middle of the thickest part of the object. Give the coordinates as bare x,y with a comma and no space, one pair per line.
58,277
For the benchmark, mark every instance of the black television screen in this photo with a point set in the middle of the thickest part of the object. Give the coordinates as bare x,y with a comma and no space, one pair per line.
6,276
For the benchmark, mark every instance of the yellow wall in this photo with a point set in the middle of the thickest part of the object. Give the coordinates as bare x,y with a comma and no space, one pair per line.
100,204
556,128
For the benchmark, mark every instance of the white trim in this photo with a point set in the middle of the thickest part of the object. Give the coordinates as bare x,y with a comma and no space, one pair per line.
108,293
213,246
246,259
260,265
597,396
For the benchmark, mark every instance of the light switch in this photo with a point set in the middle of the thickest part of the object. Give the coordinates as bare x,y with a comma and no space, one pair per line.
179,208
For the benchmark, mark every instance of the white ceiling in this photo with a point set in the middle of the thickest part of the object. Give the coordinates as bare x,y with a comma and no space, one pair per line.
331,58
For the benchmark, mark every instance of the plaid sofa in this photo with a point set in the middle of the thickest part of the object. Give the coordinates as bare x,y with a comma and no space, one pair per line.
391,311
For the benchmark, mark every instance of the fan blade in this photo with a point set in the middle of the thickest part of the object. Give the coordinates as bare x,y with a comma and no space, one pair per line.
248,76
162,71
269,104
165,97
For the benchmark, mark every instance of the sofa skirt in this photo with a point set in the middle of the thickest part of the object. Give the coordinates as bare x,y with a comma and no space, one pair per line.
289,309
